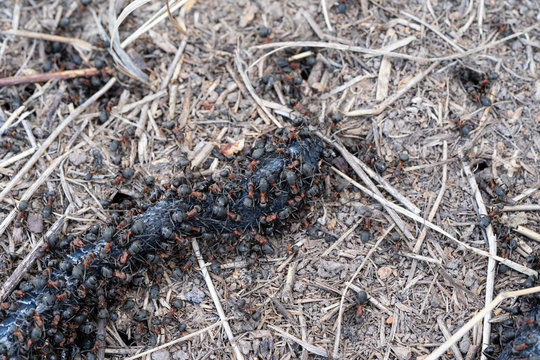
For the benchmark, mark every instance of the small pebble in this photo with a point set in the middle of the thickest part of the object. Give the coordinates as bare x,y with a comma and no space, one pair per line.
103,116
195,295
310,60
502,269
256,315
95,81
379,166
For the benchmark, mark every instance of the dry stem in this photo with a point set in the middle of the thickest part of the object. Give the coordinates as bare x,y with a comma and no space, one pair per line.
441,350
215,298
37,155
348,285
382,200
492,245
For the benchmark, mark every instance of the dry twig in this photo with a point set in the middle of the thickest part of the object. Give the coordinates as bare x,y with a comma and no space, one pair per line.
43,77
447,335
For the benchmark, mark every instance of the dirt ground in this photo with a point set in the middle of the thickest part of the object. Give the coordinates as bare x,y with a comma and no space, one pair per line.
415,98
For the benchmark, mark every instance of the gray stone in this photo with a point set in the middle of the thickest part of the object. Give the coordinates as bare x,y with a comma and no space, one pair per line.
162,354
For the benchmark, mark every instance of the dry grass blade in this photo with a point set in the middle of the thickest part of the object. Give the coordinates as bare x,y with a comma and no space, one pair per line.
28,260
353,162
341,238
311,348
155,19
124,14
122,59
243,74
492,245
77,43
436,31
382,200
377,109
481,10
173,64
31,190
359,166
432,213
326,16
14,159
11,119
396,45
181,29
176,341
15,180
348,285
346,85
215,298
378,52
441,350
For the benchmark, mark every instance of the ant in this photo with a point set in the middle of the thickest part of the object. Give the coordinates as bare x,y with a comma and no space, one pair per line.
365,235
10,146
464,129
361,299
476,84
501,27
401,160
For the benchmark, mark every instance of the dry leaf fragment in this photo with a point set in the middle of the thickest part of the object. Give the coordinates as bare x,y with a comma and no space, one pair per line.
332,224
231,148
384,272
249,15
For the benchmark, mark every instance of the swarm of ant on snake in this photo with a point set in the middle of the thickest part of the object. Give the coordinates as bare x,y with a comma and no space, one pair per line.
54,314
